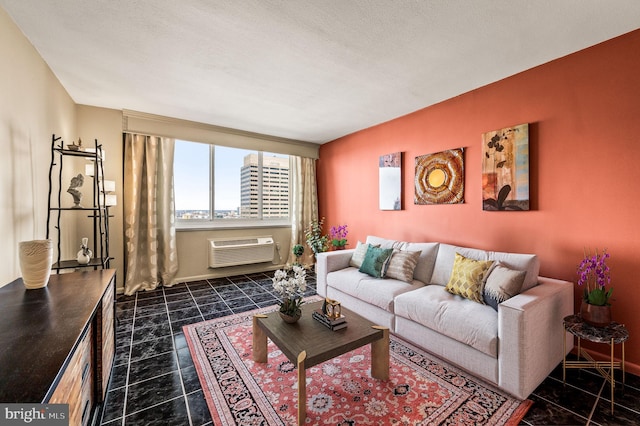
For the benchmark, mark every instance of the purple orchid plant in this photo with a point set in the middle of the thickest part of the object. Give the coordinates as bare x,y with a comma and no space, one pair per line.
594,274
338,236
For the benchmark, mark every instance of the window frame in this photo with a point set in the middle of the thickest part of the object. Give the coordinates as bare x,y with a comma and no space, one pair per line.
231,223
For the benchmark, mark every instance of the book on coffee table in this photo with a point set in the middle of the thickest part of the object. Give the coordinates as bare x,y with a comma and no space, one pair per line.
331,323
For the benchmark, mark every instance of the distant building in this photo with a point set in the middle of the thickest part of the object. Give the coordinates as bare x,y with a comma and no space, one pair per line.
275,187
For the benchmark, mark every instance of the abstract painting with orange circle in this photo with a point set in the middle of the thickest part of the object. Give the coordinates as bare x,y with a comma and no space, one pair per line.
440,178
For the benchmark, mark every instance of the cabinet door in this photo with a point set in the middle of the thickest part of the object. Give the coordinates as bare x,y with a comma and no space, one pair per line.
108,339
76,384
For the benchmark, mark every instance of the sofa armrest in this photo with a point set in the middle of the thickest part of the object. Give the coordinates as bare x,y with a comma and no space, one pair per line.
328,262
531,334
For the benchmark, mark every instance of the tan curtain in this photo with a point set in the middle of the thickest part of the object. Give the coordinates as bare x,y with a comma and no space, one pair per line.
151,256
304,204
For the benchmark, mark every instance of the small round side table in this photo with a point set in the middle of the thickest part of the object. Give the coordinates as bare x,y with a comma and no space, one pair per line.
613,334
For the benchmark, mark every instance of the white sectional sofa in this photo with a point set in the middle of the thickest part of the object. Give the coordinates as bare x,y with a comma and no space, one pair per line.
514,347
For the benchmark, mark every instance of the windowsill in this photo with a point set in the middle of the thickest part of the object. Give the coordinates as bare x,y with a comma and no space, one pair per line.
230,224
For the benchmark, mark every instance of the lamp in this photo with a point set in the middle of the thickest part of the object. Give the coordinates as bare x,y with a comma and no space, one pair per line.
109,200
108,186
93,150
90,170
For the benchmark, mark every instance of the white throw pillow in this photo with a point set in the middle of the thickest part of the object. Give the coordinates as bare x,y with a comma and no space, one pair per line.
358,255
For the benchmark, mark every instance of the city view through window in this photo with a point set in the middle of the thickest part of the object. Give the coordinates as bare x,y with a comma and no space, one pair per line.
215,182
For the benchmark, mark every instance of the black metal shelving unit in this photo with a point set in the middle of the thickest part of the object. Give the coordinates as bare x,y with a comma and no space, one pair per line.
97,212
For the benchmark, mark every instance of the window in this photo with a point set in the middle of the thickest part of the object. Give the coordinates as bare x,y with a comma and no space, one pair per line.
216,185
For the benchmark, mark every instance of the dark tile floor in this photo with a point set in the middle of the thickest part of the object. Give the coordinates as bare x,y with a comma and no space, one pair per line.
154,380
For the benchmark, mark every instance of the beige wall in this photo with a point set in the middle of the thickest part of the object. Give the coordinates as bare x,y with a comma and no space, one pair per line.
105,125
33,105
193,252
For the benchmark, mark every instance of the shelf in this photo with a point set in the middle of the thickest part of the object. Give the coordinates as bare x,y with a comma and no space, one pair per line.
93,208
79,208
73,153
72,264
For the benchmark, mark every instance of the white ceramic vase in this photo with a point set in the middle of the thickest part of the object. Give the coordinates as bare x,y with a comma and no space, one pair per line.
85,254
36,257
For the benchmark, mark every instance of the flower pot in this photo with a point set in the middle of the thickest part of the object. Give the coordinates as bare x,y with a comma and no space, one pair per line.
36,257
290,319
597,316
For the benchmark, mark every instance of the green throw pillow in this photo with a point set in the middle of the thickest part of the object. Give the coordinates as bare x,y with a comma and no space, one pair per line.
467,277
374,261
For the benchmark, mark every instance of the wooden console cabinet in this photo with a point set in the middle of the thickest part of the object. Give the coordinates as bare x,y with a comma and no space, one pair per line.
57,344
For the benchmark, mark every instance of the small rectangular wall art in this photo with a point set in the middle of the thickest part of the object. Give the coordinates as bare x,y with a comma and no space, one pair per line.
390,181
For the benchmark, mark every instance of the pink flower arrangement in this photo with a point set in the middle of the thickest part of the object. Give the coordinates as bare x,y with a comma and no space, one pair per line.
594,274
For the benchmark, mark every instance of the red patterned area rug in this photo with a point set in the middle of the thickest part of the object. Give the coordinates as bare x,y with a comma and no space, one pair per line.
421,390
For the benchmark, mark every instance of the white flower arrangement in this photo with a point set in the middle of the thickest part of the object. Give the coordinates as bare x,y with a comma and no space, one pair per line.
290,284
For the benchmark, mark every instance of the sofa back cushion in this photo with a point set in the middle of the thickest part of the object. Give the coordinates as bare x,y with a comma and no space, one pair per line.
520,262
384,243
426,261
446,256
517,261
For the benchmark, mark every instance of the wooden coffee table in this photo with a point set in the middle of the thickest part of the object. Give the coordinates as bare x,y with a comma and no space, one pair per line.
308,343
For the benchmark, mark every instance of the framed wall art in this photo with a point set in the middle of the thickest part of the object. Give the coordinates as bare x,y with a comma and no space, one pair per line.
390,181
505,169
440,178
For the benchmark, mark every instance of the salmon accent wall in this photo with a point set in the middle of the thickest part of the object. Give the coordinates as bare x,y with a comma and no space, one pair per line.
583,112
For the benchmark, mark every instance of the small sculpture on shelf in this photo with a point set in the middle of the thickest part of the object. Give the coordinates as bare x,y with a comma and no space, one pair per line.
74,147
76,182
84,254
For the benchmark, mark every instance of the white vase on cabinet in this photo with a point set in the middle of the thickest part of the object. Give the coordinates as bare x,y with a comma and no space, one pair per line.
36,257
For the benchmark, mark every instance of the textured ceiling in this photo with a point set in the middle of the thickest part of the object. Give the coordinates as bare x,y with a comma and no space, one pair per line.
312,70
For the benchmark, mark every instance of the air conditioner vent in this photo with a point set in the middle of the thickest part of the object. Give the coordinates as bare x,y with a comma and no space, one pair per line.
226,243
240,251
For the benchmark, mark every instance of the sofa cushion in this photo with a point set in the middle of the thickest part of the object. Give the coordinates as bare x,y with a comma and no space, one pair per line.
446,256
467,277
461,319
428,253
384,243
521,262
401,265
501,284
358,256
376,291
374,261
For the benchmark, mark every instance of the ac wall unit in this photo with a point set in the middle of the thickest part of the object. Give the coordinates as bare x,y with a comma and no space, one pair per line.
239,251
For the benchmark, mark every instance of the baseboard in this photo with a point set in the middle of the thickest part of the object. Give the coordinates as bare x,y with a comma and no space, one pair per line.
221,273
228,272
